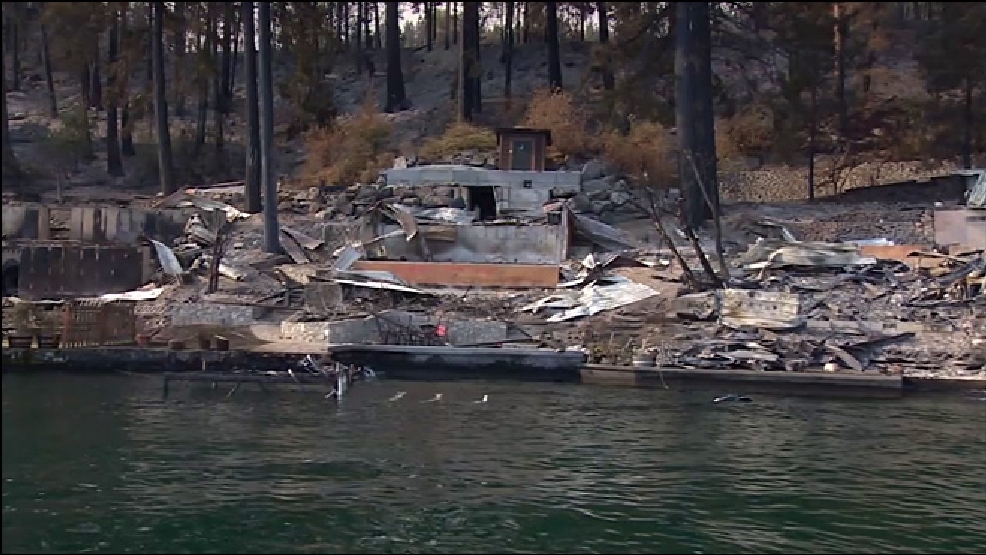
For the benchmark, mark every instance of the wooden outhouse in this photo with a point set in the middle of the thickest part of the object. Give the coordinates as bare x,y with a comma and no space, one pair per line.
523,148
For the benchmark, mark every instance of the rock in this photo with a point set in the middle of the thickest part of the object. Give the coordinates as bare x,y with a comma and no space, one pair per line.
593,170
366,193
580,203
384,193
444,191
434,201
411,201
619,198
597,185
599,195
344,208
600,207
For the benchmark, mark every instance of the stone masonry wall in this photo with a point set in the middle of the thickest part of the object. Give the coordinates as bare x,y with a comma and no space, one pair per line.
367,330
202,314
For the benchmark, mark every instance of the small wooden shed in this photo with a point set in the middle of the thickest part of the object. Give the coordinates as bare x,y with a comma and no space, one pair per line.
523,148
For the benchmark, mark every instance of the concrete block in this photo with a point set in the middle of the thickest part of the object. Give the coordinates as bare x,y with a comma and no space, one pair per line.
476,332
362,330
204,314
311,332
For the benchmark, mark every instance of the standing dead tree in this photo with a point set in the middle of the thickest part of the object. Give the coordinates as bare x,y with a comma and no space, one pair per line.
222,227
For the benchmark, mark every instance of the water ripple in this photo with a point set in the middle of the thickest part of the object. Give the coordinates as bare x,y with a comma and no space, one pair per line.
102,465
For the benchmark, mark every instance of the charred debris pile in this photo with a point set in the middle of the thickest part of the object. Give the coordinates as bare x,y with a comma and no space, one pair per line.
561,277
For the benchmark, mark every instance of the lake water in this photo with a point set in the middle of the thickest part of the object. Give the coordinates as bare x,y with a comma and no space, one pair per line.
103,464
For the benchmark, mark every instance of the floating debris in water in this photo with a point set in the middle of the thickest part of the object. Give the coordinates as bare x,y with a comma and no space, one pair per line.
437,397
732,398
976,395
398,396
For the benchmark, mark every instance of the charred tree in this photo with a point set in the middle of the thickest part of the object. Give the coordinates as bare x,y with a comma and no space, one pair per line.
165,163
396,96
114,160
251,182
554,55
508,49
49,80
272,240
608,80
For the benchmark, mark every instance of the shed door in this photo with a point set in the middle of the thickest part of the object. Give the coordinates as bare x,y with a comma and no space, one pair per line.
522,155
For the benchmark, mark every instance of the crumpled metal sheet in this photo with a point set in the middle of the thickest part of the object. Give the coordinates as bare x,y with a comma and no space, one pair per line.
606,294
166,256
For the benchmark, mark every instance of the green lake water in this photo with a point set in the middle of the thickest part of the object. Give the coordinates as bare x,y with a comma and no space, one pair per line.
103,464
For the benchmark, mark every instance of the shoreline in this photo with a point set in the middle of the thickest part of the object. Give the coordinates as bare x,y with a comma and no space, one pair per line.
162,361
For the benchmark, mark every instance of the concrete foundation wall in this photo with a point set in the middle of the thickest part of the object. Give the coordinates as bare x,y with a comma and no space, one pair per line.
62,271
367,330
96,224
20,222
124,225
357,330
487,244
206,314
559,182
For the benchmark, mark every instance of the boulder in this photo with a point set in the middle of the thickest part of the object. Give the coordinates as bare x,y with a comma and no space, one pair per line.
593,170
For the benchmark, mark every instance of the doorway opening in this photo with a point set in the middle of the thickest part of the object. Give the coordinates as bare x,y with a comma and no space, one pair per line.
483,199
11,279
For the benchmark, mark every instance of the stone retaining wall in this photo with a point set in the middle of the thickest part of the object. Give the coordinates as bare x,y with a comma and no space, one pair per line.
203,314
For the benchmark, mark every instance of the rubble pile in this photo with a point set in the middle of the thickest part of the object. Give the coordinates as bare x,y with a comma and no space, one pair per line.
785,303
816,305
604,196
906,223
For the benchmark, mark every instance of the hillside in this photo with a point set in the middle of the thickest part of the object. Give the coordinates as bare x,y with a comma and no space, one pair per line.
758,159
